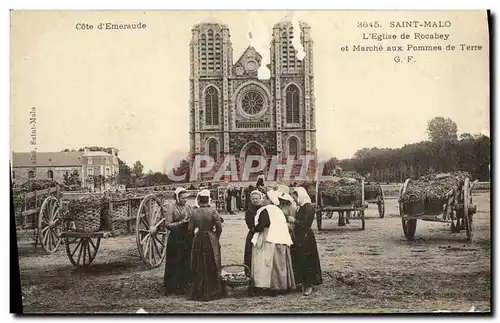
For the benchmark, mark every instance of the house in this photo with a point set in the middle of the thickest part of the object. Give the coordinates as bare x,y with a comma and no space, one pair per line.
54,165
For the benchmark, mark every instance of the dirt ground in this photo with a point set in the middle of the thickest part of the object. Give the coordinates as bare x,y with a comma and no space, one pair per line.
375,270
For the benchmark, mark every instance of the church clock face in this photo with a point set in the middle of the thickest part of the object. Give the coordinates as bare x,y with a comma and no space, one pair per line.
251,66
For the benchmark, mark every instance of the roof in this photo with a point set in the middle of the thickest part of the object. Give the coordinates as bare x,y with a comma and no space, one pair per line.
96,154
72,158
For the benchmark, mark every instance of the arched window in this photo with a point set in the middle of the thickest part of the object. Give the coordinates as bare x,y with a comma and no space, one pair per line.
212,149
31,174
292,104
211,107
293,146
50,174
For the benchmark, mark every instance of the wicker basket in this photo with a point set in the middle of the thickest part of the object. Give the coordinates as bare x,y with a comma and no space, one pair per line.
233,279
414,208
116,220
88,221
434,207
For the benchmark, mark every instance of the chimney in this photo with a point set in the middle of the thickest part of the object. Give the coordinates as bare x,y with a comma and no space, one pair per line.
113,152
85,151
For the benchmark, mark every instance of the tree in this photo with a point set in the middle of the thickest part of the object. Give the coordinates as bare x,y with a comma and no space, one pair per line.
138,168
440,129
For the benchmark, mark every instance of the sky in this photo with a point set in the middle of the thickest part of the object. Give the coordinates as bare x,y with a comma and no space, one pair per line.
130,89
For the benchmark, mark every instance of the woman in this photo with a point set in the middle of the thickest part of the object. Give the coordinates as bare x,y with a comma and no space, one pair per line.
271,259
206,281
179,245
305,256
256,199
231,199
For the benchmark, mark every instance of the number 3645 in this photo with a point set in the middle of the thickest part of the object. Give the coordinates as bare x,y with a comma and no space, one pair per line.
368,24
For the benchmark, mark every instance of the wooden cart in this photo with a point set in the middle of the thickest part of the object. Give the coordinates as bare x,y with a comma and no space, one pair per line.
377,199
457,211
42,220
149,229
323,206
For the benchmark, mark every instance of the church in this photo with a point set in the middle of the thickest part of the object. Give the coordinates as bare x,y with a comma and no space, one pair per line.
233,112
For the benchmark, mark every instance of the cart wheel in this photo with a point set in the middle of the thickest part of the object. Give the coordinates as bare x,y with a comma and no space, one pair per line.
319,219
409,226
82,251
362,215
49,225
151,232
467,215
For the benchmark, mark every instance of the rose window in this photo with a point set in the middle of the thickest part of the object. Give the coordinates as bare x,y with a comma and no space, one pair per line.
252,103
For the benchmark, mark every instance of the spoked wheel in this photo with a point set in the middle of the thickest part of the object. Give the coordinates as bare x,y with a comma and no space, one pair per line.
82,251
467,215
409,226
49,225
151,232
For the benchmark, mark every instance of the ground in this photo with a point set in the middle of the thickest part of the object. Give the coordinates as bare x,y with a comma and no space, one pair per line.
375,270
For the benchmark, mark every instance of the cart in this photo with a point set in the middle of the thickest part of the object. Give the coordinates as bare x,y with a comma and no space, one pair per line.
40,218
376,197
148,212
458,211
326,205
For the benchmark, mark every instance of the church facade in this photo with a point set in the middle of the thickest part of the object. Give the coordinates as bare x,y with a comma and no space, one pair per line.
233,112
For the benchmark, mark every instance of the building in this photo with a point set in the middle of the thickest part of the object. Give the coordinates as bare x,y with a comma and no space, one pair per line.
54,165
234,112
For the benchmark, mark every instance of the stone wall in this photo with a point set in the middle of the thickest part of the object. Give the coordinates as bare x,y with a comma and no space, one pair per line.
21,173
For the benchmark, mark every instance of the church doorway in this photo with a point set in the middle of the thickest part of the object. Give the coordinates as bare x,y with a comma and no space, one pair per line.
251,148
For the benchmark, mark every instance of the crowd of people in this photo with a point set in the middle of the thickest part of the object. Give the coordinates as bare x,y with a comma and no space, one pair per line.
280,251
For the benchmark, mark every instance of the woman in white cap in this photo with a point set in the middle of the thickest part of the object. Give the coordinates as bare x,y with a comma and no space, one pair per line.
272,269
205,224
305,256
177,263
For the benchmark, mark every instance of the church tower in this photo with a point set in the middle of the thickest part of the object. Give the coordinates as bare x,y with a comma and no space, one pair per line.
234,112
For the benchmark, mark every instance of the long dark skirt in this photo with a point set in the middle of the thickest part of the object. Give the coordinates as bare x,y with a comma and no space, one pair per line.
247,258
206,281
305,258
176,279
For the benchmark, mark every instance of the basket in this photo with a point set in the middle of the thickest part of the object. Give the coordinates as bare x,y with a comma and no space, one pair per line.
83,214
234,279
414,208
434,207
88,221
335,201
119,215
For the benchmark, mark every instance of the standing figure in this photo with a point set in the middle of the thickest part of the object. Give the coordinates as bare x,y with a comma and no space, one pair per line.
256,199
177,262
305,256
231,199
248,191
205,224
272,269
